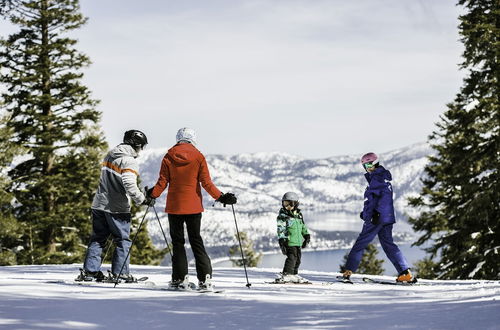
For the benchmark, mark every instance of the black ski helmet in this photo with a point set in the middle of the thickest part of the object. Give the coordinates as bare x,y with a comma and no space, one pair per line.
135,138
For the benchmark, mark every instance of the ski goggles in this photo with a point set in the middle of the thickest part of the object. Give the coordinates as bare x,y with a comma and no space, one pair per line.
290,203
368,165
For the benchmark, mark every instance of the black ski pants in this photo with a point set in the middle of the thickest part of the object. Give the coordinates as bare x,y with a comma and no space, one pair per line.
179,258
292,262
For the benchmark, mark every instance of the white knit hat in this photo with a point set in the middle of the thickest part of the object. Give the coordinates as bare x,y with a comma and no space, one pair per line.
186,134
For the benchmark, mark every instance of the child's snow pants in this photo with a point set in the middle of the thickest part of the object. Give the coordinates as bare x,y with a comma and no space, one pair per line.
292,262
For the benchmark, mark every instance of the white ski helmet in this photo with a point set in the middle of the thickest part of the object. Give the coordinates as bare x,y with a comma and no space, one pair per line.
186,134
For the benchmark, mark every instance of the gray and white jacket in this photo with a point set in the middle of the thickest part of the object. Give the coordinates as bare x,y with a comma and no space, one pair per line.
118,182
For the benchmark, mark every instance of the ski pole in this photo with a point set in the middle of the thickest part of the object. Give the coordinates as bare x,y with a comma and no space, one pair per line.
109,242
241,249
164,236
132,244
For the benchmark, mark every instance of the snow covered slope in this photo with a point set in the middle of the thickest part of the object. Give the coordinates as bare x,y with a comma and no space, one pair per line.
31,298
331,191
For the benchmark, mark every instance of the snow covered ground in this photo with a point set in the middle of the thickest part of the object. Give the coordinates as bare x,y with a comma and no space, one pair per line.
28,300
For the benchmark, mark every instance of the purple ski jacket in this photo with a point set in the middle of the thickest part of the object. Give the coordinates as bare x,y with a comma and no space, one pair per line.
378,196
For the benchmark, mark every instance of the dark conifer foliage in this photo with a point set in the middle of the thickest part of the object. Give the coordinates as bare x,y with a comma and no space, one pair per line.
52,115
460,200
11,230
252,258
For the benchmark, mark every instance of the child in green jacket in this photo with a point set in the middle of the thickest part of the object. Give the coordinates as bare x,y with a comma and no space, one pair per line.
293,236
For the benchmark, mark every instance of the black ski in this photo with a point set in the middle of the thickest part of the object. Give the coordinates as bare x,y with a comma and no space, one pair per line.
342,279
99,277
371,280
295,283
339,279
140,282
140,279
112,280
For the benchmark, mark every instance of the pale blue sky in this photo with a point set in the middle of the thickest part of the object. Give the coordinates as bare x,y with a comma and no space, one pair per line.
313,78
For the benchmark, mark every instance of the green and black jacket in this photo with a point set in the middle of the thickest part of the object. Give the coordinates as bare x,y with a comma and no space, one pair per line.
291,226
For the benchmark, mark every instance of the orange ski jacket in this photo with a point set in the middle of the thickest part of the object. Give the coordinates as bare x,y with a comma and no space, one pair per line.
183,168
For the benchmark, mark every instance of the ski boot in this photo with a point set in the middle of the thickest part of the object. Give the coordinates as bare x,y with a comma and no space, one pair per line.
127,278
206,285
87,276
181,285
286,278
300,279
406,277
346,275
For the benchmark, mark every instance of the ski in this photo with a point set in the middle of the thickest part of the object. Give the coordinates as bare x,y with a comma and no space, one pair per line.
190,290
142,283
113,281
294,283
209,291
370,280
189,287
341,279
99,277
140,279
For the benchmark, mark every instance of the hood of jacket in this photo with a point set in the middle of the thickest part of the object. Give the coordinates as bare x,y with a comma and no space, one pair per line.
381,173
182,154
123,150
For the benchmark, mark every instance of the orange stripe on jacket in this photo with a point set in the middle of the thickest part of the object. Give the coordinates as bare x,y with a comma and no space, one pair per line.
117,169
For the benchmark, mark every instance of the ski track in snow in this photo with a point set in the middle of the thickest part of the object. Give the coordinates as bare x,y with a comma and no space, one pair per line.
29,301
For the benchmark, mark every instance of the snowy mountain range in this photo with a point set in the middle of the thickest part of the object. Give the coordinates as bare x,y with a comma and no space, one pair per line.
331,191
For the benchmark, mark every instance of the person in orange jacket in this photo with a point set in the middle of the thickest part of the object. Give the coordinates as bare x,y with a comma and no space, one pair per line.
183,169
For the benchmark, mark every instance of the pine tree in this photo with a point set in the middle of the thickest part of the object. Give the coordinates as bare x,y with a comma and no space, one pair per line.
369,263
10,228
460,200
252,258
426,268
52,116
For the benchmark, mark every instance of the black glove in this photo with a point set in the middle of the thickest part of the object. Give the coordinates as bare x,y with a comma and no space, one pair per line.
376,218
361,215
149,201
148,191
307,239
283,245
227,198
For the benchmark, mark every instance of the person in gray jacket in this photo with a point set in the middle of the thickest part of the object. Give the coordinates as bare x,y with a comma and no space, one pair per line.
111,208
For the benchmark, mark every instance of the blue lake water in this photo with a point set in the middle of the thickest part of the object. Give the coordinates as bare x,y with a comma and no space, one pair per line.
330,260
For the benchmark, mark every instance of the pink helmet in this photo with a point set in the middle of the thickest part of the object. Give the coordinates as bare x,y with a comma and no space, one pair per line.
369,157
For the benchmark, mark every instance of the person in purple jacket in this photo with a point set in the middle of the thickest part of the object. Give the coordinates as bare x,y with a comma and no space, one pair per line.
378,216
